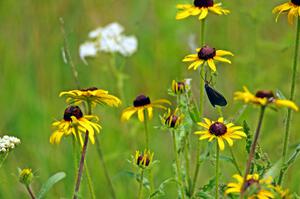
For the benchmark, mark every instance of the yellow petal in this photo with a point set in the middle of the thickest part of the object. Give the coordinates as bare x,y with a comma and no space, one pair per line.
212,65
127,113
221,143
192,57
221,59
150,112
286,103
203,13
182,14
141,114
223,53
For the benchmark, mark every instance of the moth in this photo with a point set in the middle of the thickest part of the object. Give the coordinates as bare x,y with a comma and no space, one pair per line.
214,96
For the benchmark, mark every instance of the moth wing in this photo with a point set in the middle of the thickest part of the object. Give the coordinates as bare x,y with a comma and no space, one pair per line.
215,97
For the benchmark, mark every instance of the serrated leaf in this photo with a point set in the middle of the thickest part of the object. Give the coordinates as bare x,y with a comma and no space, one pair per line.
249,136
50,183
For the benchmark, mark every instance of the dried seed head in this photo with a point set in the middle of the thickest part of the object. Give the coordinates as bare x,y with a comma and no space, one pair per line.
218,129
72,111
206,53
203,3
296,2
141,100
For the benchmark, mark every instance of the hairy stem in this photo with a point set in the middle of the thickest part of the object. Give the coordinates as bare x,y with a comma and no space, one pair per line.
252,150
146,130
181,187
217,170
28,188
141,185
81,165
292,96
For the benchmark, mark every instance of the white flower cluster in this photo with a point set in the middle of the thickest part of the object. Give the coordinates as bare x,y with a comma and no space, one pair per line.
8,142
109,39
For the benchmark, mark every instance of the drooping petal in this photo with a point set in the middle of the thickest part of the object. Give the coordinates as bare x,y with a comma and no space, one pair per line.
221,143
141,114
212,65
127,113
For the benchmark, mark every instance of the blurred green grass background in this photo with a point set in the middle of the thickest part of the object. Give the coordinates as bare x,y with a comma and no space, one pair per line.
32,73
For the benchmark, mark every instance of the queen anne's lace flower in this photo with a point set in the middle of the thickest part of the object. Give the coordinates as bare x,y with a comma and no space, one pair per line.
109,39
8,142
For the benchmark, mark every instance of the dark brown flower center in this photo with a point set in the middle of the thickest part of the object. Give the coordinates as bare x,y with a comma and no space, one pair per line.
250,182
72,111
141,100
171,121
141,160
218,129
203,3
296,2
89,89
265,94
206,53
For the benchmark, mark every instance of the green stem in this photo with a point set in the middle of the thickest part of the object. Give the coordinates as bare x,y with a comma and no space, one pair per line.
141,185
187,162
292,96
220,112
100,155
252,150
217,170
201,105
181,187
118,76
3,159
89,180
28,188
107,176
235,162
146,130
81,165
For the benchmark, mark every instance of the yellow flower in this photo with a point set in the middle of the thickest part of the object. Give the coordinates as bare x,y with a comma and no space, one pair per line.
26,176
263,98
262,187
201,8
75,123
283,193
207,54
145,159
292,7
93,95
141,104
220,131
172,119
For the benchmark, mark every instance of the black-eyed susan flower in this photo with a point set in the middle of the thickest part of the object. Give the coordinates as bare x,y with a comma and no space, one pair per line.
262,187
141,104
172,119
179,87
143,159
263,98
92,95
75,123
201,8
292,8
207,55
220,131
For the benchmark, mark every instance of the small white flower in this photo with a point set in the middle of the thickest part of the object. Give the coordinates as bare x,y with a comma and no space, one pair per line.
109,39
87,49
8,142
128,45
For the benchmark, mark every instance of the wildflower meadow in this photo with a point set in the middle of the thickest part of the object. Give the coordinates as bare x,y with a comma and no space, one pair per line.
149,99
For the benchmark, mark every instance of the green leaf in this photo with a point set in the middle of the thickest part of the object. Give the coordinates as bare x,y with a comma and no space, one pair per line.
50,183
274,170
160,190
249,136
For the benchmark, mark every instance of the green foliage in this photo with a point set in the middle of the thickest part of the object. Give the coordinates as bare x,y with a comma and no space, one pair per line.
49,184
